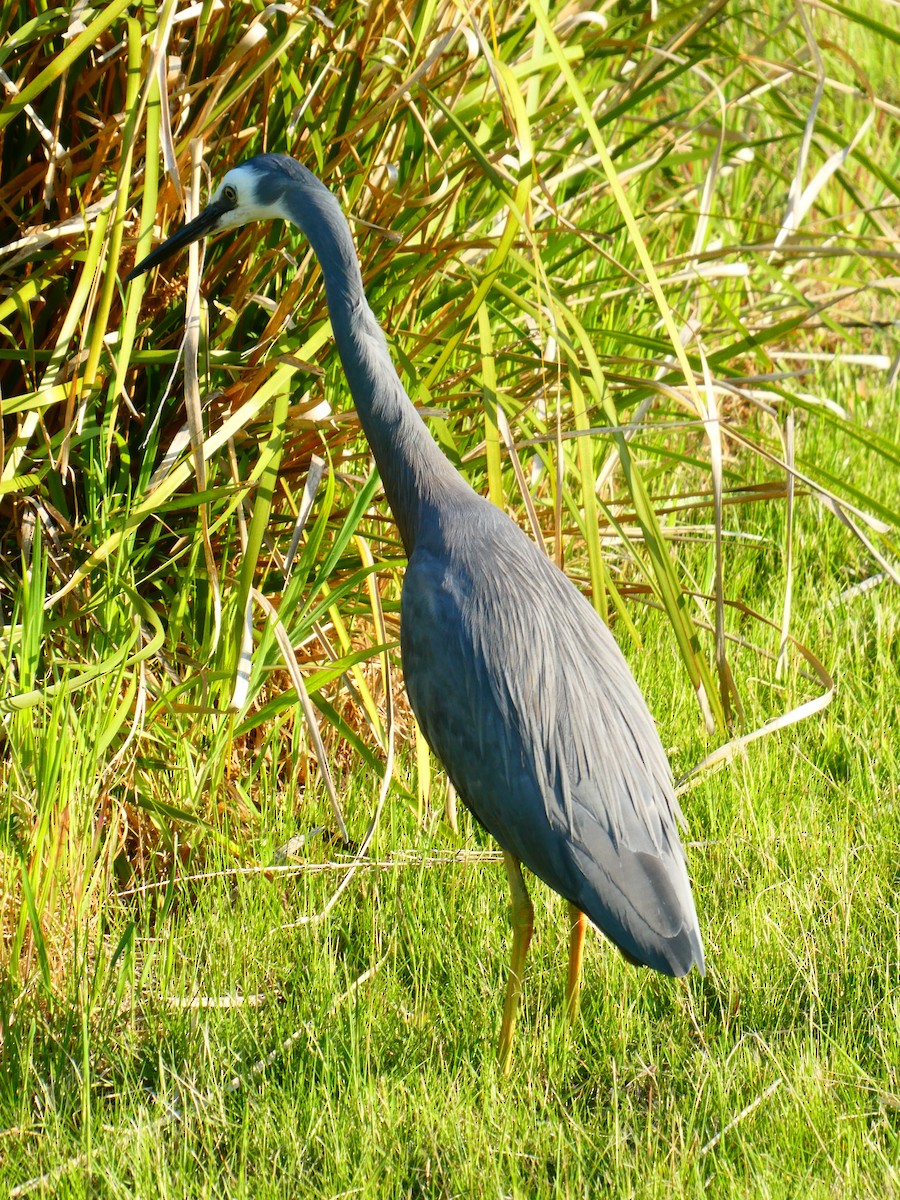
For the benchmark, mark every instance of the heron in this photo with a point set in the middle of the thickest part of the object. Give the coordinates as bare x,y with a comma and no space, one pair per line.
518,685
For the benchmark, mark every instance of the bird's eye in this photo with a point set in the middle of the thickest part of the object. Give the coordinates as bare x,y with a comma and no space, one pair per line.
230,194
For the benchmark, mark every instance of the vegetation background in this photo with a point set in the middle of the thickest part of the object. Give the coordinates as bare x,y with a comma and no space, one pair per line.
638,263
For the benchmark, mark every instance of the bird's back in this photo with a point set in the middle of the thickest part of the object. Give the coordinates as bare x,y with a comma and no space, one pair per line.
526,699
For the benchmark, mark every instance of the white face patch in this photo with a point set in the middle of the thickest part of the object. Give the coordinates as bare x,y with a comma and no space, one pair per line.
239,188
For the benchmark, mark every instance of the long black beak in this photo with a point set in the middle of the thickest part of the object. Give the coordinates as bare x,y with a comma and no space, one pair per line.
207,222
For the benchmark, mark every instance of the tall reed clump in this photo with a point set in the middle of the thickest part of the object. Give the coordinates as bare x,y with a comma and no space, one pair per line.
609,246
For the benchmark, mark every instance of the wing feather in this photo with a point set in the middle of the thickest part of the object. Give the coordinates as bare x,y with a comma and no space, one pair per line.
526,699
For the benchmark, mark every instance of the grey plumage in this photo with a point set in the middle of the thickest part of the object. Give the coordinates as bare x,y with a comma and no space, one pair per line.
518,685
525,698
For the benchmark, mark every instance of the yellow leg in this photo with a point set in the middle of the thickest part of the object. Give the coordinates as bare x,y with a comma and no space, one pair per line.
450,808
577,930
522,920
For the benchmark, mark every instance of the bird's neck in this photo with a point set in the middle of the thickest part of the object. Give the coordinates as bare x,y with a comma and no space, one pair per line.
415,474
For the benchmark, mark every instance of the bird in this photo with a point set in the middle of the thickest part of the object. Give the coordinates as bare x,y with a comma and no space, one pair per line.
517,683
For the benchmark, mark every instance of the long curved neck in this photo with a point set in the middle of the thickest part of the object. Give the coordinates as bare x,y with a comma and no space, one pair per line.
415,473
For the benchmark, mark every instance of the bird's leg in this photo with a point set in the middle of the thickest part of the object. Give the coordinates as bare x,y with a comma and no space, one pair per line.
450,809
577,930
522,920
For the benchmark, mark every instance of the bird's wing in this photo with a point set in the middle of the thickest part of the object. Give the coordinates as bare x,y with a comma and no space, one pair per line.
527,700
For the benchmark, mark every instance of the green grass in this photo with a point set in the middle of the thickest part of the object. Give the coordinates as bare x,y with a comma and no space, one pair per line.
586,229
364,1045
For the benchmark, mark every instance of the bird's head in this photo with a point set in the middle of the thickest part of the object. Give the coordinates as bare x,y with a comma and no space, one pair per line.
264,187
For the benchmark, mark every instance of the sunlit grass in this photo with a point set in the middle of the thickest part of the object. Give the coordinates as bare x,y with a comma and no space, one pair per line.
233,1051
525,289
